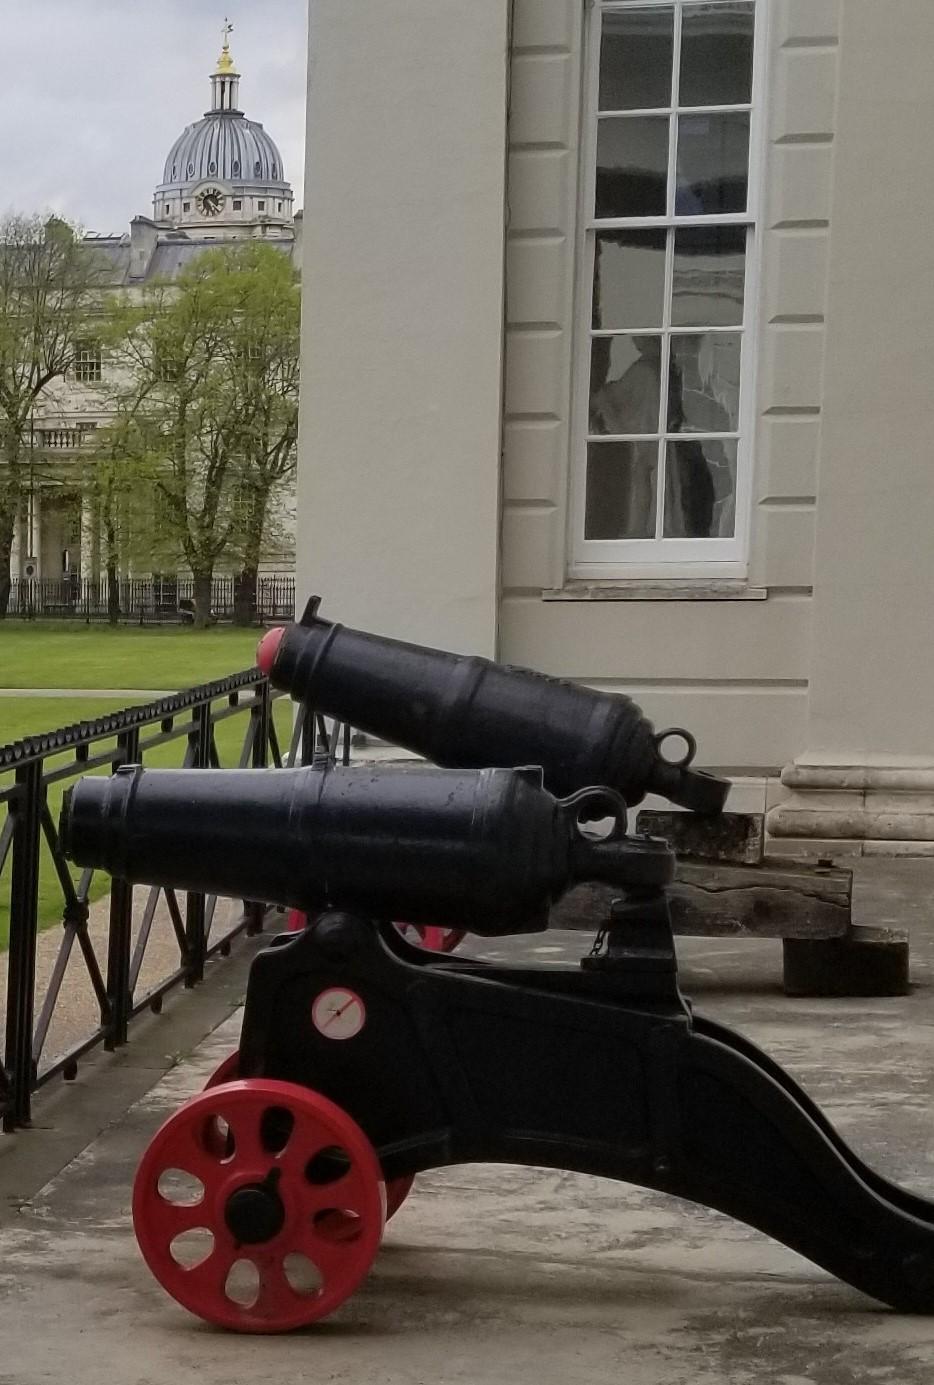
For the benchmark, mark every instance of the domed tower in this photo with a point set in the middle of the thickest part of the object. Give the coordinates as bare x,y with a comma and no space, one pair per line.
223,177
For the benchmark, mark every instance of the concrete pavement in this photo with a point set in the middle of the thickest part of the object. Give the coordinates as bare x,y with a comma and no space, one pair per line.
489,1274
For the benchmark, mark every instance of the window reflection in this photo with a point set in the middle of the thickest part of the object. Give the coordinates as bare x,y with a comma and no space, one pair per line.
713,164
636,58
716,54
709,276
629,279
626,374
621,490
632,166
700,489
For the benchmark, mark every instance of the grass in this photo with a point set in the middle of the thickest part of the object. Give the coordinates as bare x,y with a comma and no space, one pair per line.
51,654
47,655
229,737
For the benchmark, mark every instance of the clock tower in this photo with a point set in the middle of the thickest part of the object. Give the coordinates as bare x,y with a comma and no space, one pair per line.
223,177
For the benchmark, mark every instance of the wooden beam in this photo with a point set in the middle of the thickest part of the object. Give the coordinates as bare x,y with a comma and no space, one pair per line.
774,900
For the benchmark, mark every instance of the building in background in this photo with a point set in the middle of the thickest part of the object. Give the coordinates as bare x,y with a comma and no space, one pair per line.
621,369
223,182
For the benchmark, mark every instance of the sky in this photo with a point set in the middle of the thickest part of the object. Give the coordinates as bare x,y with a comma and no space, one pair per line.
94,92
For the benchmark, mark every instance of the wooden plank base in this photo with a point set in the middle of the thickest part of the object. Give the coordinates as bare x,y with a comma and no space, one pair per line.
774,900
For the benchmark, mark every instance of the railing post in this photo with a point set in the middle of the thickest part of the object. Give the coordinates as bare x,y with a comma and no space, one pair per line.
197,943
24,933
261,713
120,936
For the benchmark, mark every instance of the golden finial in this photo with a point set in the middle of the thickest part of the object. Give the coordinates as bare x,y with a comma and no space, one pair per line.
225,62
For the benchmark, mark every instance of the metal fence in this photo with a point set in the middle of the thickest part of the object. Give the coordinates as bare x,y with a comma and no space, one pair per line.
33,773
149,600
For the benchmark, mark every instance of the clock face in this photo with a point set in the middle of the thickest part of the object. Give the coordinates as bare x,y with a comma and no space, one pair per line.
210,202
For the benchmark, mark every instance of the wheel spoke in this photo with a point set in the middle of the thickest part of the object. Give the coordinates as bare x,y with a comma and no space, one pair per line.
210,1276
276,1295
173,1219
347,1193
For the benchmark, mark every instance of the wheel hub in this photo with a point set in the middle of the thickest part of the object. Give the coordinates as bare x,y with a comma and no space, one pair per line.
255,1214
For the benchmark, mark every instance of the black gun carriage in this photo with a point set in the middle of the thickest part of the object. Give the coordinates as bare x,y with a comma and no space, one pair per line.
365,1060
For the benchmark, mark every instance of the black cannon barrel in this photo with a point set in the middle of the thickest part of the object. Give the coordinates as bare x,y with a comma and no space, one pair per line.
466,712
485,850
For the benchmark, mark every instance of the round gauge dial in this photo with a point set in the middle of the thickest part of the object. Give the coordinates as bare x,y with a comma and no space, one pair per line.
210,202
338,1013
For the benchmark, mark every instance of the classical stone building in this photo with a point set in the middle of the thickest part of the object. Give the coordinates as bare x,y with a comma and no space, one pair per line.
621,364
223,182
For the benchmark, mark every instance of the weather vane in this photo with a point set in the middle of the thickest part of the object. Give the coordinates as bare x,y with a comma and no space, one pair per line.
227,31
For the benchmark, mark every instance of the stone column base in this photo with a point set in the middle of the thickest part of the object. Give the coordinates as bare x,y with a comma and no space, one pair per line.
873,809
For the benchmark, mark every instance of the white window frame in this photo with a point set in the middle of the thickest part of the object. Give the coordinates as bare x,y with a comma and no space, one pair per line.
657,557
88,365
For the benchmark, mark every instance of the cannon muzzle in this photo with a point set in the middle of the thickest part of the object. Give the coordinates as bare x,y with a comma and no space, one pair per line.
485,850
466,713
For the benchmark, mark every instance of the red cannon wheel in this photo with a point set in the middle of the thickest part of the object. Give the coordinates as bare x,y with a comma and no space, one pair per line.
245,1238
397,1189
431,937
227,1071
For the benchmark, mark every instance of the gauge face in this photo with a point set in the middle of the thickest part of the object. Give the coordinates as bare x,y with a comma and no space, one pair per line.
338,1013
210,202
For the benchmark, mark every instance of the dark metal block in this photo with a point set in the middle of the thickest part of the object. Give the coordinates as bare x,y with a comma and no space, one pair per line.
866,962
728,837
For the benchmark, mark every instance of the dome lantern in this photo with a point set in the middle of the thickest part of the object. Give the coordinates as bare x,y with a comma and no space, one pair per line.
225,80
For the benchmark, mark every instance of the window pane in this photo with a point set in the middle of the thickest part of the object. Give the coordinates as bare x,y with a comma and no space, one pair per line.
632,166
709,276
636,55
629,279
700,489
703,383
716,54
621,488
625,384
713,164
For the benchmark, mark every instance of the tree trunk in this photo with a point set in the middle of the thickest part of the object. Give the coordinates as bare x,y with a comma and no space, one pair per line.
246,580
7,529
202,584
113,594
245,596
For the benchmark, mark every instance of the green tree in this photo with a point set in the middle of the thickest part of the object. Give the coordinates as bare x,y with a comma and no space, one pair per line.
50,304
262,367
210,400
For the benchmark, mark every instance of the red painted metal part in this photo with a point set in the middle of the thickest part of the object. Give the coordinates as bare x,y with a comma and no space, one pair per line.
428,936
397,1189
267,649
227,1071
276,1130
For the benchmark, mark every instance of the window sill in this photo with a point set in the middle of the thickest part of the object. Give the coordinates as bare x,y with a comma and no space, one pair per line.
671,589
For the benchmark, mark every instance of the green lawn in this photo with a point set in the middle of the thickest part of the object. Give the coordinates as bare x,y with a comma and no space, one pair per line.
46,655
51,654
45,714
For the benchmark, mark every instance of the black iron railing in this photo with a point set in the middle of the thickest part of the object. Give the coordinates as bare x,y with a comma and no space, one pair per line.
149,600
229,720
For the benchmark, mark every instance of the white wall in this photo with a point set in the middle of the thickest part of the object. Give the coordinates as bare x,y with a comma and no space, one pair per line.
398,508
733,670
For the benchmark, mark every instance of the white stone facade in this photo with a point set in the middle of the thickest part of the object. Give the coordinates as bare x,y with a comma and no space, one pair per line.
445,510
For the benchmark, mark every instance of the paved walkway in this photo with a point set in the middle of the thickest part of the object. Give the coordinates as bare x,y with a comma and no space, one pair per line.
491,1275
